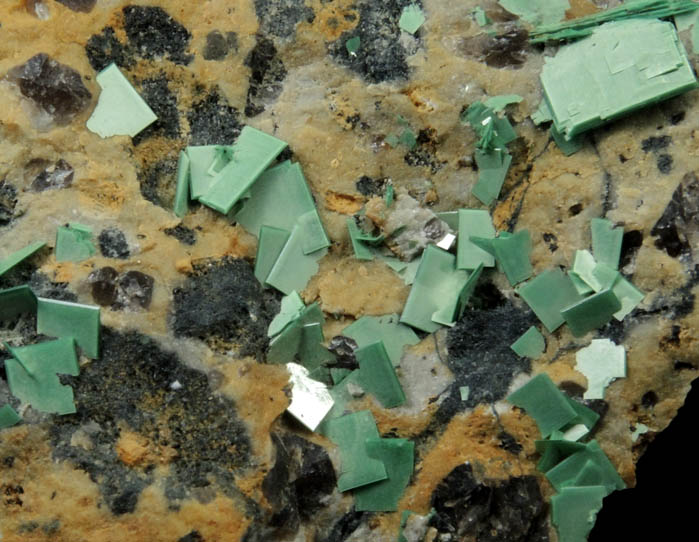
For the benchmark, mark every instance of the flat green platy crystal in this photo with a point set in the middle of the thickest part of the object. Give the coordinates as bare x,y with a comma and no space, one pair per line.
294,268
253,151
512,253
436,290
592,312
8,417
74,243
477,223
606,242
584,26
63,319
398,456
601,362
377,375
574,510
544,402
411,18
499,103
32,375
387,329
181,205
278,198
548,294
361,251
531,344
350,433
120,110
537,11
18,256
352,45
270,244
622,66
16,301
201,159
565,472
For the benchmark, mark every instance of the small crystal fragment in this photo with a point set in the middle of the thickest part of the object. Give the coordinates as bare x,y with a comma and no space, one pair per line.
55,88
103,285
134,290
344,348
49,176
310,400
113,244
84,6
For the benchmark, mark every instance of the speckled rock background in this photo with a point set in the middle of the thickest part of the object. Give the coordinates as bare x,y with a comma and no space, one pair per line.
215,458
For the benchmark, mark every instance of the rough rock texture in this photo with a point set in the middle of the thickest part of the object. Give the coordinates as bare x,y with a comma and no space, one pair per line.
180,433
223,303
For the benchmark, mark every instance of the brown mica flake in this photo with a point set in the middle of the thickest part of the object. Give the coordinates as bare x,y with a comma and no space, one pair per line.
346,204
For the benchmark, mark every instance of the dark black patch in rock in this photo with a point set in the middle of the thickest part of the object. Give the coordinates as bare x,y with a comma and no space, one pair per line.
344,348
280,17
678,304
631,242
656,143
424,153
134,291
614,330
479,351
486,296
302,477
682,365
223,304
286,154
162,101
344,527
575,210
84,6
480,357
370,187
8,203
268,72
492,511
130,384
676,118
680,217
113,244
505,50
649,399
105,48
155,34
104,285
194,536
158,181
573,389
182,233
218,45
551,240
47,176
213,121
509,443
664,163
381,56
54,87
600,406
